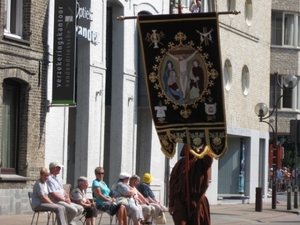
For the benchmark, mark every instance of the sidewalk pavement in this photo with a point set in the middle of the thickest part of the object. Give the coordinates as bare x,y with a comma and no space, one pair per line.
224,214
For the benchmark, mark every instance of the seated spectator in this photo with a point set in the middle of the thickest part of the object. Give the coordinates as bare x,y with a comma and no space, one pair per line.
104,202
145,190
41,201
148,210
123,193
78,196
58,194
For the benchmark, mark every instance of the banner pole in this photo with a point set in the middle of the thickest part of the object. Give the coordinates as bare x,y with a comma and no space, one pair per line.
234,12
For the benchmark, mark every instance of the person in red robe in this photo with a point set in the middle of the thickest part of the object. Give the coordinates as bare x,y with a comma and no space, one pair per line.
192,210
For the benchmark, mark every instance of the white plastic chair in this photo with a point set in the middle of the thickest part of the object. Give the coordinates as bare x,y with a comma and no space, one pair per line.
49,213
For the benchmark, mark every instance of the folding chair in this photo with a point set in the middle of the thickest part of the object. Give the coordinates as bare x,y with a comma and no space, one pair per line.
101,214
49,213
130,221
82,218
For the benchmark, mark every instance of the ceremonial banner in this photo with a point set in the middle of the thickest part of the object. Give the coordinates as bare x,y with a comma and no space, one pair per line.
184,81
64,49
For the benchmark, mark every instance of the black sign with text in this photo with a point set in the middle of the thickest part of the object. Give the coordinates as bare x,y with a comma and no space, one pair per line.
64,48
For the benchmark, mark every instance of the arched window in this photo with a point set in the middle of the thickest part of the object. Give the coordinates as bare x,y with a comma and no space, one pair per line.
227,75
245,80
248,12
10,123
230,5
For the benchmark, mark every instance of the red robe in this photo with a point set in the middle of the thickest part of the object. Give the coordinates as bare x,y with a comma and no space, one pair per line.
199,175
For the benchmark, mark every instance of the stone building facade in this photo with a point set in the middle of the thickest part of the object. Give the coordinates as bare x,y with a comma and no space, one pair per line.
23,73
111,125
106,128
285,55
245,48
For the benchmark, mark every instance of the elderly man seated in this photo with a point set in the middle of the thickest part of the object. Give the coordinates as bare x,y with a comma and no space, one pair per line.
58,195
77,195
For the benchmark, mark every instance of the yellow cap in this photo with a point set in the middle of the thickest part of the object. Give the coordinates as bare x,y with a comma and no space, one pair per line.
147,178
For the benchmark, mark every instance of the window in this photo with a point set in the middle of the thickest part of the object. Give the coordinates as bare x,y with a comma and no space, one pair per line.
227,75
230,5
298,41
285,29
10,123
289,29
276,26
289,96
248,12
207,6
14,18
185,3
297,92
245,80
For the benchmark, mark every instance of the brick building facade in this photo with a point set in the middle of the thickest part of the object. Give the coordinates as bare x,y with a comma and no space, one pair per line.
23,72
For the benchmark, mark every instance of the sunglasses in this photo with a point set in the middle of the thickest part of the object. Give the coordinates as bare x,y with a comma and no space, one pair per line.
99,173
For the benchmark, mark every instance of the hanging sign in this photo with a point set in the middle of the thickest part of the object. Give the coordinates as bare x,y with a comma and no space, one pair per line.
64,48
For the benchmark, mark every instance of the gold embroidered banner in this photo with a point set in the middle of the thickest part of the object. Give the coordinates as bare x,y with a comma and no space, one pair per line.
181,56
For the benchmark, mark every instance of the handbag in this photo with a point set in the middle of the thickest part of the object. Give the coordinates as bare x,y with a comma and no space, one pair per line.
161,219
123,200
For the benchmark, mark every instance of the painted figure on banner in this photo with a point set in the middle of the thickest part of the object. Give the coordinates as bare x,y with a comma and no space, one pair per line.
154,38
160,111
196,80
183,74
205,36
170,79
211,109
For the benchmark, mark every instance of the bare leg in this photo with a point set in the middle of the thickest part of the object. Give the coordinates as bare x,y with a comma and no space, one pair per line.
137,222
93,220
183,82
88,221
122,216
147,217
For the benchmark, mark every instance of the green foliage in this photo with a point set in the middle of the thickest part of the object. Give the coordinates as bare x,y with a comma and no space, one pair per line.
289,151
